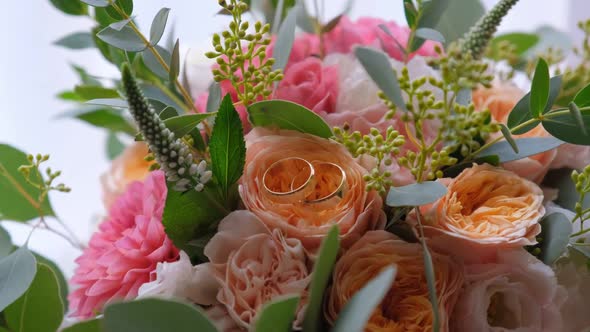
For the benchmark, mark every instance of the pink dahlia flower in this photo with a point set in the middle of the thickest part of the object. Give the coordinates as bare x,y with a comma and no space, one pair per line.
126,249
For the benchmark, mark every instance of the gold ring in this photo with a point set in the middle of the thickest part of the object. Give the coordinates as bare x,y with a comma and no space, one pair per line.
329,189
301,172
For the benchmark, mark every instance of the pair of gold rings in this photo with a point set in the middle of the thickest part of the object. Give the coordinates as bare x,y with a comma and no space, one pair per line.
296,180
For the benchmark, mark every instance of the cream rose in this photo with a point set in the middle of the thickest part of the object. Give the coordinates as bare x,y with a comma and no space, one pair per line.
406,306
358,212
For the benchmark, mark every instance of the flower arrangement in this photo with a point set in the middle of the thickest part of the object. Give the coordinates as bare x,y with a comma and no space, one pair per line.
336,175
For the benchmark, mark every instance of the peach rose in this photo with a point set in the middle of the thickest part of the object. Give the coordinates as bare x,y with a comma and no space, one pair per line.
485,208
517,292
358,211
252,266
406,306
128,167
500,100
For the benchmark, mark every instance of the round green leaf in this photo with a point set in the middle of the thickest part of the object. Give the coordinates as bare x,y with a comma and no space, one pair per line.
103,118
154,65
126,39
71,7
278,315
61,279
153,315
556,229
521,111
17,271
40,308
158,25
76,41
582,98
567,128
415,194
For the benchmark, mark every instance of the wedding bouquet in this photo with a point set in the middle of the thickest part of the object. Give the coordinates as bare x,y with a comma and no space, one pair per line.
336,175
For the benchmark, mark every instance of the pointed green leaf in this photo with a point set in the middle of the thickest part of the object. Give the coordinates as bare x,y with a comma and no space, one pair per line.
227,146
96,3
567,128
539,89
153,64
88,92
111,102
119,25
521,111
322,270
356,313
103,118
175,62
126,39
17,271
285,39
114,146
167,113
214,98
410,12
522,42
183,124
159,25
154,315
92,325
40,308
582,98
288,115
577,115
415,194
71,7
378,66
61,279
555,234
528,146
76,41
431,282
5,243
455,18
278,315
430,34
508,136
125,5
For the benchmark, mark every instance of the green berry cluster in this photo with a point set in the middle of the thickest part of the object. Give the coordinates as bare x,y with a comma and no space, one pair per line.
467,129
460,70
582,183
31,172
244,65
375,144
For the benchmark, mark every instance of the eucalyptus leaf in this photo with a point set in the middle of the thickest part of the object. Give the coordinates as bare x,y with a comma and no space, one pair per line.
410,12
114,146
430,34
285,39
71,7
92,325
521,111
567,128
539,89
111,102
431,283
40,308
378,66
567,196
322,270
214,98
175,62
555,233
527,146
5,243
86,78
96,3
457,17
88,92
61,279
356,313
183,124
227,147
126,39
159,25
154,65
76,41
154,315
463,97
103,118
277,315
125,5
119,25
521,42
508,136
432,13
456,169
415,194
157,93
577,115
288,115
14,205
167,113
304,19
17,271
549,37
582,98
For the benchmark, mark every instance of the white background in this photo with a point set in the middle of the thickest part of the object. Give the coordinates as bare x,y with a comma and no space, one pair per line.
33,71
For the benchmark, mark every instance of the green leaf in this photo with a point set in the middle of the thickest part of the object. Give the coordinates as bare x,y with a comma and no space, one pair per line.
582,98
410,12
93,325
278,315
227,146
521,111
159,25
539,89
356,313
549,37
377,65
86,78
154,65
528,146
175,62
567,128
76,41
114,146
431,282
304,19
61,279
431,13
577,115
322,270
415,194
96,3
125,5
103,118
508,136
567,196
522,42
555,234
153,92
288,115
40,308
70,96
456,18
119,25
183,124
71,7
285,39
430,34
5,243
167,113
111,102
126,39
17,271
88,92
13,204
214,98
153,315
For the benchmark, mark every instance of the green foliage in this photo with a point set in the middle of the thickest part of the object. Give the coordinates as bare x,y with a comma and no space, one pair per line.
158,25
40,308
153,315
5,243
92,325
554,238
567,127
125,39
278,314
288,115
61,279
511,46
71,7
508,137
120,9
415,194
17,271
101,117
183,124
19,200
539,89
322,270
285,39
114,146
527,146
76,41
227,147
154,65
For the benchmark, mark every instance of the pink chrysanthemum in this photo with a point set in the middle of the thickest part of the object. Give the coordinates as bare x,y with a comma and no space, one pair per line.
125,250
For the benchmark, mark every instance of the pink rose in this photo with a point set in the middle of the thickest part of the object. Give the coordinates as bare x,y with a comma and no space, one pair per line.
516,292
252,266
310,84
571,156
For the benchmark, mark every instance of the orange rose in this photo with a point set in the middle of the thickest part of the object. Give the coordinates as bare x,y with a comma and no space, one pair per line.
485,208
406,306
356,213
500,100
128,167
